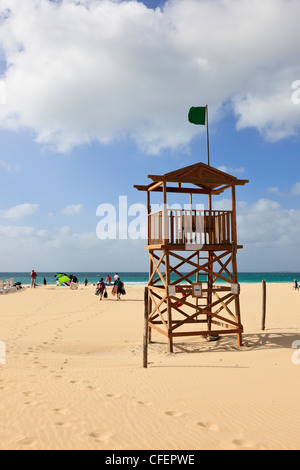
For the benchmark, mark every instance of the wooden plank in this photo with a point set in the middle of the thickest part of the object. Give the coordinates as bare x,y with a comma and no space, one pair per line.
159,288
157,310
206,333
203,268
145,339
172,227
207,310
224,266
223,325
152,325
154,186
156,270
182,247
157,306
180,190
225,305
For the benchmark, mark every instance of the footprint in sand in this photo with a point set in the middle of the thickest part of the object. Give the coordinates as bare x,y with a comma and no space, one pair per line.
93,388
209,426
27,441
174,414
144,403
101,436
61,411
28,394
63,425
113,395
33,403
244,443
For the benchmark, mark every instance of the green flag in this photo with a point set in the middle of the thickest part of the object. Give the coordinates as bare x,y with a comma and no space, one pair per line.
198,116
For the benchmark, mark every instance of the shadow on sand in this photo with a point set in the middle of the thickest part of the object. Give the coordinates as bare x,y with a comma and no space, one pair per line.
252,342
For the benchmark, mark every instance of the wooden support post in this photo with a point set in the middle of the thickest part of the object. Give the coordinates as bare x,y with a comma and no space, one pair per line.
165,235
234,261
149,218
264,305
145,345
169,305
210,261
151,268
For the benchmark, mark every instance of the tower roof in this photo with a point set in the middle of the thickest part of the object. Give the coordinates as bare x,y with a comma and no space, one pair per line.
205,177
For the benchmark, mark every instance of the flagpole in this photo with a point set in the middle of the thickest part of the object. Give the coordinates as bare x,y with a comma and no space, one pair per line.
207,137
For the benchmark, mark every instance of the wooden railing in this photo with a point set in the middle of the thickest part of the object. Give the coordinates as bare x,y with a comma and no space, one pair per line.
192,227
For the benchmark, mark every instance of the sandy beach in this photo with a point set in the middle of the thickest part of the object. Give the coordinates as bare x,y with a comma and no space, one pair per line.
74,377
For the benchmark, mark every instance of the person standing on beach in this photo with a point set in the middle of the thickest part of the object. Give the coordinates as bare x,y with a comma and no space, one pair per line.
108,280
45,281
86,282
116,277
101,288
119,285
33,279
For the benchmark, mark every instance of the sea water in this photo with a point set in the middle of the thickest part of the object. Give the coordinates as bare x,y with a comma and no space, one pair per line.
141,278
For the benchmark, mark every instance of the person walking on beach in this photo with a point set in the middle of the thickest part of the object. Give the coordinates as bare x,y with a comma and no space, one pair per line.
33,279
120,287
101,288
116,277
296,285
86,282
45,281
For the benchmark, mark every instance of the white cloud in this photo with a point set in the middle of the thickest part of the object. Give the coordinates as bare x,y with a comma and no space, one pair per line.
8,167
232,171
101,70
296,190
266,223
273,190
67,250
74,209
19,211
20,232
270,235
224,204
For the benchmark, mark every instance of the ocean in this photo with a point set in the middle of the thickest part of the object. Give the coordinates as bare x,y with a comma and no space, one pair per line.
135,278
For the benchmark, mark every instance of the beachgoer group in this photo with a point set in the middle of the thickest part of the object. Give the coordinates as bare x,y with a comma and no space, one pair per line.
118,287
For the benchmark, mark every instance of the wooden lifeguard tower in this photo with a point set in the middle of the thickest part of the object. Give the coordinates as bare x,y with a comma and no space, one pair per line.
191,251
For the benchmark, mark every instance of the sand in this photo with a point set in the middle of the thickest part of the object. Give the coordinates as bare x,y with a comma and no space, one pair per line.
74,377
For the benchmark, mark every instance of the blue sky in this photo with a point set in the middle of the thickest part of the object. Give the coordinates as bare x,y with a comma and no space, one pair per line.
97,98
